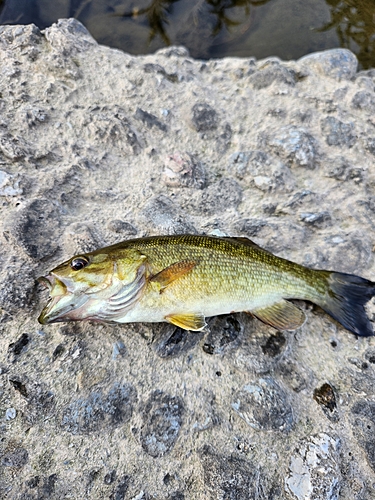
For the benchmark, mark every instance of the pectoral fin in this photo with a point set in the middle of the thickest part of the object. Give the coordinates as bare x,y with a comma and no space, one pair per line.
282,315
173,272
187,321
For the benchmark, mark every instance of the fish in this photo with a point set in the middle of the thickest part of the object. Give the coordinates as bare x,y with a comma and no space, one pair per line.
184,279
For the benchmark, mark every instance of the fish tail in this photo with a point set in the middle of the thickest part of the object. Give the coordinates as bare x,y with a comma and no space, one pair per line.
344,300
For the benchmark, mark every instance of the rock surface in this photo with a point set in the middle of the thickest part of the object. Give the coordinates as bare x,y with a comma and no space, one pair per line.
97,146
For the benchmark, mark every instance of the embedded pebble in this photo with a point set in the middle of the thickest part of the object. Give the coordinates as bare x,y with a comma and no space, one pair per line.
340,64
17,457
204,117
297,146
9,185
170,341
184,170
99,410
264,405
224,334
363,423
161,422
272,72
10,413
338,133
235,477
314,469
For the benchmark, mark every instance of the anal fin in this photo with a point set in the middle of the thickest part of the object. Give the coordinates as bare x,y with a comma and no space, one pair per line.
282,315
187,321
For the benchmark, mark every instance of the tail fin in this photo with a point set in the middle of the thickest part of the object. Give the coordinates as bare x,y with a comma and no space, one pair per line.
345,299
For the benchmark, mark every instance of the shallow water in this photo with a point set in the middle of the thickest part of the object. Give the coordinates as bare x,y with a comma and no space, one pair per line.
288,29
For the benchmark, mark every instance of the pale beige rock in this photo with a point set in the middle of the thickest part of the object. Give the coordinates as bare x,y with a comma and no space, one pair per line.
97,146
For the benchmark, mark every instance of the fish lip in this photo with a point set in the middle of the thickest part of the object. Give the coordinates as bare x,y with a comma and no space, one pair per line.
60,304
48,316
47,281
53,313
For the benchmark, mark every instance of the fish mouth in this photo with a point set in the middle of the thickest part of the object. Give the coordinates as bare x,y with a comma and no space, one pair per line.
60,303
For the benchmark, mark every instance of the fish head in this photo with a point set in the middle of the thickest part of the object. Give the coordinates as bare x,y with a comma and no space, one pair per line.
85,286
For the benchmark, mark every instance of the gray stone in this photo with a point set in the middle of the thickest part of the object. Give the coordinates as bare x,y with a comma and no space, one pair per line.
224,335
319,219
15,458
370,145
69,36
162,418
224,140
340,64
20,37
170,341
363,426
121,488
264,405
14,148
338,133
238,163
235,478
99,410
296,145
10,414
314,470
16,348
149,119
9,185
204,117
341,170
364,100
270,73
250,227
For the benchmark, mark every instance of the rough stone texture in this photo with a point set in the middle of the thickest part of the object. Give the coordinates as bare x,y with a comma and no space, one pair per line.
97,146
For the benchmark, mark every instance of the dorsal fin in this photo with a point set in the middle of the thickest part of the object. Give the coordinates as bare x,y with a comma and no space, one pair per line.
246,241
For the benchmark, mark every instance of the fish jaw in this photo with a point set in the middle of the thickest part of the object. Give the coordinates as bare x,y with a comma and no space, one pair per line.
62,305
97,303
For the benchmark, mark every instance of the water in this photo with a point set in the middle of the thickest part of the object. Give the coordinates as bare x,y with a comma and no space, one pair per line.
288,29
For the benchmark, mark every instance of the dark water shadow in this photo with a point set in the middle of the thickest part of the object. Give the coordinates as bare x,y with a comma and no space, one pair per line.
213,28
354,23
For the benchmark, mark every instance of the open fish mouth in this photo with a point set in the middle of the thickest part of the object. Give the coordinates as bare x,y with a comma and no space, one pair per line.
47,281
60,303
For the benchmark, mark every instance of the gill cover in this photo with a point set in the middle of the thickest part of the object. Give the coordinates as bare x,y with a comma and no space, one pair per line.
101,289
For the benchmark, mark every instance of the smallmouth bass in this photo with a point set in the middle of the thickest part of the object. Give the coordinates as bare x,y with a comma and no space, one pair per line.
183,279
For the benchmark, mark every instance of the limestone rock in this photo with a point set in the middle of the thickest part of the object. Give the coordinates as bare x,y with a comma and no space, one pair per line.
97,146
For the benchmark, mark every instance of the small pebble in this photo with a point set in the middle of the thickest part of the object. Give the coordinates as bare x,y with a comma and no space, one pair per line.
10,414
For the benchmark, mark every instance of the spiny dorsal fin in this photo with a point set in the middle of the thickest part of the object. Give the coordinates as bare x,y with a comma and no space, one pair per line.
173,272
246,241
282,315
187,321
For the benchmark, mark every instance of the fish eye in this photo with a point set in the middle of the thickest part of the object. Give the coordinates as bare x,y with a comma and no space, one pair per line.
79,263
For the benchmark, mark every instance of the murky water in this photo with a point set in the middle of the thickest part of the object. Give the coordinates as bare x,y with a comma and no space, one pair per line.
214,28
